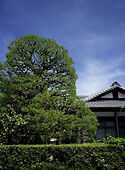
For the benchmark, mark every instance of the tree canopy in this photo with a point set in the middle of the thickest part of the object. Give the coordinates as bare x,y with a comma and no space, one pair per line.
38,95
45,58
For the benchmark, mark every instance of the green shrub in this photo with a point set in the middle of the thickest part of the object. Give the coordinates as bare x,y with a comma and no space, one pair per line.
112,140
96,156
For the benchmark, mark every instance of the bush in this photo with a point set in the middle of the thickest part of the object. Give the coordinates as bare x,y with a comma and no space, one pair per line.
94,156
112,140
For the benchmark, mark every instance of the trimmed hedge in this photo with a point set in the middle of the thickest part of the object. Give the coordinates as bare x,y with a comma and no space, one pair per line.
96,156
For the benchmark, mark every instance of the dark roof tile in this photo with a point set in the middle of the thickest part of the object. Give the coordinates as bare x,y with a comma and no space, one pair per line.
107,104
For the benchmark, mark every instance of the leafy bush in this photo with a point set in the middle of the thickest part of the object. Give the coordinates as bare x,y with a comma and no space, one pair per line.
96,156
112,140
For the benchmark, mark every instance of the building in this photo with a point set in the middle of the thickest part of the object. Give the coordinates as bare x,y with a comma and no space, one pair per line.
109,106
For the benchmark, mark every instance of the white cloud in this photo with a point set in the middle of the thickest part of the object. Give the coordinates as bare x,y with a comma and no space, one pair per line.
99,58
97,75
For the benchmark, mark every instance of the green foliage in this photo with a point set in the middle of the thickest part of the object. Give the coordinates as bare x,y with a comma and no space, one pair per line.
62,157
34,63
113,140
45,58
38,95
11,124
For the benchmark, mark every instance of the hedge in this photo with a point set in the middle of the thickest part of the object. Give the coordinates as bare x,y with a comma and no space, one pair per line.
96,156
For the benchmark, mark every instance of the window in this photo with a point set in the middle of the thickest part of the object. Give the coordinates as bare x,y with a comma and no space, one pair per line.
107,127
121,122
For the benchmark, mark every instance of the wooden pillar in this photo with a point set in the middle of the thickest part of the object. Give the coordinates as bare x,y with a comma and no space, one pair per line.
116,123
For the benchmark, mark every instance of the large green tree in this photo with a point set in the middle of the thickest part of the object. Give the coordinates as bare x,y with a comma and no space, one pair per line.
38,95
45,58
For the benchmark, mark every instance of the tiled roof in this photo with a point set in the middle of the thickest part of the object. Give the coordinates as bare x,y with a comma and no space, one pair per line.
82,97
107,104
113,86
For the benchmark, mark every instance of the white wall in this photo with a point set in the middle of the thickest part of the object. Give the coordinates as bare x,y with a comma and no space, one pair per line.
121,95
109,95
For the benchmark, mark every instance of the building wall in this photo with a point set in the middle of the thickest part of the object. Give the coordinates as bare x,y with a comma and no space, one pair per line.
110,123
121,95
109,95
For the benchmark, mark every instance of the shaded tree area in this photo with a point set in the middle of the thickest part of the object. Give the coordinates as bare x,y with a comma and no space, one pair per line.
38,95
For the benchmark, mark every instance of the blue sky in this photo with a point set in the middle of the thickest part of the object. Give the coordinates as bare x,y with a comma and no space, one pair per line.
92,30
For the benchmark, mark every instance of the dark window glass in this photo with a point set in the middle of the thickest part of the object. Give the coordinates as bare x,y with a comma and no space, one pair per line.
100,133
106,127
121,122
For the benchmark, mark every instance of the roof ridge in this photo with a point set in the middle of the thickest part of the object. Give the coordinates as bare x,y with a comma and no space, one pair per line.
113,86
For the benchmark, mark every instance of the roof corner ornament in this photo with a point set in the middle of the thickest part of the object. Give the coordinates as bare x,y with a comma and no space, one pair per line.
115,83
